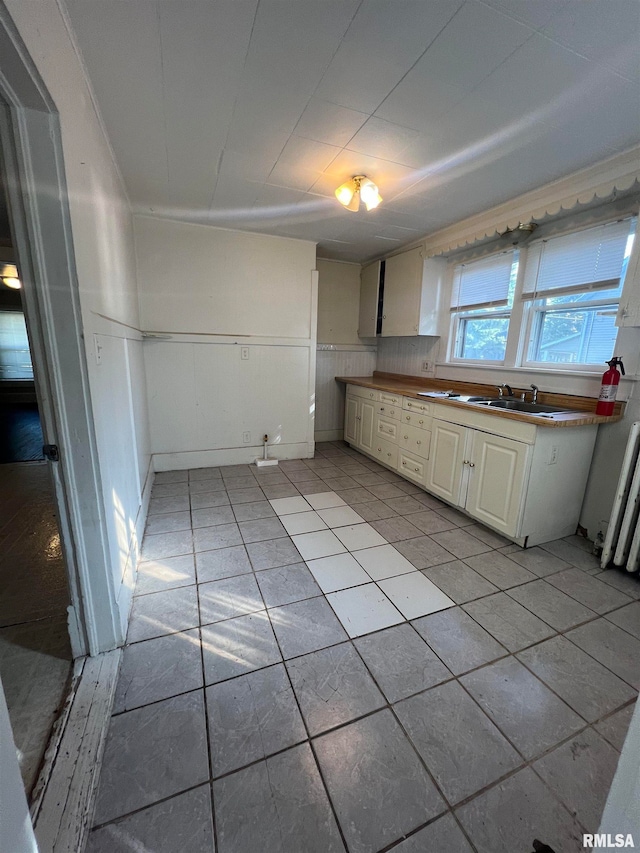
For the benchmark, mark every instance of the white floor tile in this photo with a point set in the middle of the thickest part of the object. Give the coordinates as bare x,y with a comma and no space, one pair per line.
302,522
287,506
358,536
364,609
324,500
320,544
384,562
414,595
340,516
338,572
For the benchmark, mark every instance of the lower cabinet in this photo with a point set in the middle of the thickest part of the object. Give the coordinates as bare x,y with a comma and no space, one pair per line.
523,481
359,422
482,473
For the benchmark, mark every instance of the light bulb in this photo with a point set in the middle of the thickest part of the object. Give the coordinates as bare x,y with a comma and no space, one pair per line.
13,283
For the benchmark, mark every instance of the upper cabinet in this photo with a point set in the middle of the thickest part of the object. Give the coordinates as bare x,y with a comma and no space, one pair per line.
412,289
629,309
369,295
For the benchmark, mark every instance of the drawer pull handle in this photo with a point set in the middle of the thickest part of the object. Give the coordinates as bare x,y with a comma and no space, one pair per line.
420,422
404,464
382,408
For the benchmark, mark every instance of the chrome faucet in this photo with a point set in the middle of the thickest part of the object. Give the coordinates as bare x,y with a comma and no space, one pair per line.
534,393
502,388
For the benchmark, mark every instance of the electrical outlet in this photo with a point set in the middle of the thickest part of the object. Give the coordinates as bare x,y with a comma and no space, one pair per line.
553,456
246,437
426,366
244,353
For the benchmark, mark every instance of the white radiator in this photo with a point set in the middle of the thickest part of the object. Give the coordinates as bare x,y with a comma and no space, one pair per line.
622,542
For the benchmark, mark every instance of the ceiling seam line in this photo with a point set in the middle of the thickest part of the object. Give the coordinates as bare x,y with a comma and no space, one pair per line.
162,81
233,111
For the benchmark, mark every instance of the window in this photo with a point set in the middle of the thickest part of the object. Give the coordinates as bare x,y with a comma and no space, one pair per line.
572,287
565,290
481,305
15,357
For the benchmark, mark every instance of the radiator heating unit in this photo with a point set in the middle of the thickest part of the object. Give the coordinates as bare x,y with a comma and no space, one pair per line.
622,542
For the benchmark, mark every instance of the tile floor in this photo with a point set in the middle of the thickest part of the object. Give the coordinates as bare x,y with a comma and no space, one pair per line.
35,653
323,657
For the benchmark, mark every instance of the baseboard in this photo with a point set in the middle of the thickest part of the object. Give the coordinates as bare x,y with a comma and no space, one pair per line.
65,815
227,456
329,435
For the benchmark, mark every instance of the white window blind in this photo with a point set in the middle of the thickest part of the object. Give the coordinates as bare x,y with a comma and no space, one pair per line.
586,260
483,283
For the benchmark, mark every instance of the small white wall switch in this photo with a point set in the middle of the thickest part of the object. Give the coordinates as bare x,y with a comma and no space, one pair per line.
553,456
246,437
244,353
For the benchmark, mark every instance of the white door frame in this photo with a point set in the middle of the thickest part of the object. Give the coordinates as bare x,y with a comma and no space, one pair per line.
37,194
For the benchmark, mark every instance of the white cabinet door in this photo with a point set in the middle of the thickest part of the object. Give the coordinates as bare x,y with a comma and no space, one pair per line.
367,425
351,421
369,286
497,475
402,294
446,463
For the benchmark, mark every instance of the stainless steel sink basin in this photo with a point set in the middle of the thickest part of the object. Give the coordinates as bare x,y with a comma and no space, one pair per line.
523,406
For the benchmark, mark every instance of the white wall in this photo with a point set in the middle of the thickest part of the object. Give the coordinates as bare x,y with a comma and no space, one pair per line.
338,302
103,243
16,831
340,351
220,296
408,355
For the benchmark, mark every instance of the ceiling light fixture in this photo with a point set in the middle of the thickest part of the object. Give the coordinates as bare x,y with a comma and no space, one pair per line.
359,188
9,276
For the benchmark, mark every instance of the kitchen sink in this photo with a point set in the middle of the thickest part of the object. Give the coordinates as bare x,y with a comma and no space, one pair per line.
523,406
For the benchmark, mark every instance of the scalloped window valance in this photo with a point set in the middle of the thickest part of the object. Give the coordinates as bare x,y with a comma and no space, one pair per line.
617,174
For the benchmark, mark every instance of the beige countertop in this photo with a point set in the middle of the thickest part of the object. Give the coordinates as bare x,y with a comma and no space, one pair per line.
582,414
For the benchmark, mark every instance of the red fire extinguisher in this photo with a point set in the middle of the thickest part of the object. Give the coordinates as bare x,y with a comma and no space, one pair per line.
609,389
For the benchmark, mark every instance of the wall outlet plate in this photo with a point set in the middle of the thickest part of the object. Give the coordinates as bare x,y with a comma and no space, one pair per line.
426,366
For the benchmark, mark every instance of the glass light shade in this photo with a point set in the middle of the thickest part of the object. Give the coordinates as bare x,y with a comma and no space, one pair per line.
13,283
369,194
346,192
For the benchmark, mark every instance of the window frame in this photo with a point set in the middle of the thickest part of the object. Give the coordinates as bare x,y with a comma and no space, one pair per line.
524,313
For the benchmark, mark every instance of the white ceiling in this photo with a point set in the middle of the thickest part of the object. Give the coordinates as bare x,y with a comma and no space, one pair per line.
248,113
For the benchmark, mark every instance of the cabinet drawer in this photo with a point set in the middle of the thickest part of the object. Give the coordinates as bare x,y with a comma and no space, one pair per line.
412,405
411,466
388,397
385,452
365,393
387,429
417,420
415,440
387,411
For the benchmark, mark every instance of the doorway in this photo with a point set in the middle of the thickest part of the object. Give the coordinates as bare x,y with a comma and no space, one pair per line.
35,649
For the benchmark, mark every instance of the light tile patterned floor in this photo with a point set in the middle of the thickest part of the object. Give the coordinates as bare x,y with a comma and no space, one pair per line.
324,658
35,652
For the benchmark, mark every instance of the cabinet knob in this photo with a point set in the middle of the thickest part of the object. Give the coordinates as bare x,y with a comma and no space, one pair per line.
382,408
408,418
419,442
420,422
404,464
472,464
384,316
379,450
406,437
388,454
466,462
416,469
